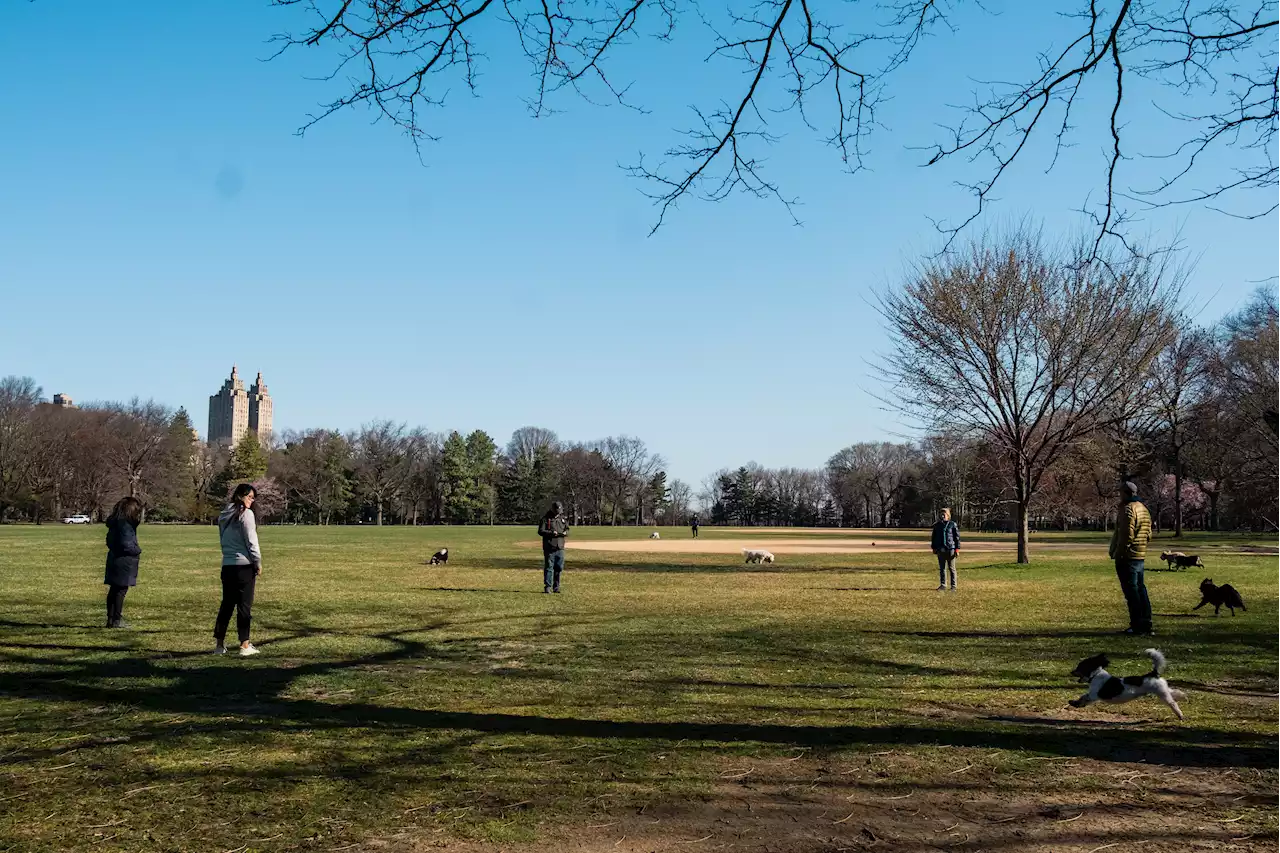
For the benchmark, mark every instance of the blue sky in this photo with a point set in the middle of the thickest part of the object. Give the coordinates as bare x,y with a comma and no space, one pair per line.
161,220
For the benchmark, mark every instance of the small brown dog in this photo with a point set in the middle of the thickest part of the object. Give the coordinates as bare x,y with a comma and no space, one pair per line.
1220,597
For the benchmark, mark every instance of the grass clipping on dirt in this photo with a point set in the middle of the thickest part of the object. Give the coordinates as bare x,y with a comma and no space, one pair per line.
828,701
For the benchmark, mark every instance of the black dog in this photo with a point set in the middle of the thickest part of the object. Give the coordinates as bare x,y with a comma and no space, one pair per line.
439,558
1219,597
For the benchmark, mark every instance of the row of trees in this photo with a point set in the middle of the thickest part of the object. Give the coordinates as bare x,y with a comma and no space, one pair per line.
56,459
1039,378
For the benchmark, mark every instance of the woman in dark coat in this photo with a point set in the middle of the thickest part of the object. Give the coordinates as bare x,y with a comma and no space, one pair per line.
122,557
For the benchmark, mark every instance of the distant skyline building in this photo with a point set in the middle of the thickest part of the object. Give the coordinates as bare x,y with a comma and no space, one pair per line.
233,411
63,401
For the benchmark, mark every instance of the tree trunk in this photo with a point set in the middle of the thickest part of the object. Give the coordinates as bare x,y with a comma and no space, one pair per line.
1177,499
1024,555
379,513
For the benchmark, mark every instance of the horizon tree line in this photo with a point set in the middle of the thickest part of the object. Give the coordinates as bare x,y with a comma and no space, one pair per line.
1037,376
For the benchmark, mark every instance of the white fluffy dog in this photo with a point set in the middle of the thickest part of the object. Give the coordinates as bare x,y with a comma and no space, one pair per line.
757,555
1105,687
654,535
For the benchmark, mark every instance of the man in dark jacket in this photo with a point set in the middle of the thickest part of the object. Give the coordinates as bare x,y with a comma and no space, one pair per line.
553,528
945,543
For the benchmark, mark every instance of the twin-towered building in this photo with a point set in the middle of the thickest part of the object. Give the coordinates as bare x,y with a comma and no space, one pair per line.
233,411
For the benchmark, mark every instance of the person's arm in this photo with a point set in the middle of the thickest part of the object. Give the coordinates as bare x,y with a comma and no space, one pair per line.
1135,523
251,536
544,528
129,541
955,528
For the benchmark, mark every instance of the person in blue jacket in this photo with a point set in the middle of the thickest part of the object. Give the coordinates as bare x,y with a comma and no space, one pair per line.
123,552
946,545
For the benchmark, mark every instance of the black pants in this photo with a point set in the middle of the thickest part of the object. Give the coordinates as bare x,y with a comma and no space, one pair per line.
115,604
237,594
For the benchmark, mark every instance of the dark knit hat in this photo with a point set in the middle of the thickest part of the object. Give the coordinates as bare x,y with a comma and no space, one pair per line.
1130,489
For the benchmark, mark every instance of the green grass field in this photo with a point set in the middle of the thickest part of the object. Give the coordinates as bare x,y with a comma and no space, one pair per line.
663,702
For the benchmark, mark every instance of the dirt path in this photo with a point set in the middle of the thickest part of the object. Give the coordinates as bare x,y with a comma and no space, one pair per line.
800,546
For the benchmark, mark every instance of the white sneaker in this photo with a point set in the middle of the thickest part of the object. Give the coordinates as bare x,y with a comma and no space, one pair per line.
246,651
219,649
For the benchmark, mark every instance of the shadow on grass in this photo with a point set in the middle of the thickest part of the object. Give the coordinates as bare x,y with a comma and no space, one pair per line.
254,695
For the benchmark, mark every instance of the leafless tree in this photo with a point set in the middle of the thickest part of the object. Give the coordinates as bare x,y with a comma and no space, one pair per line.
422,487
1031,348
527,441
136,434
1212,64
679,510
631,465
19,396
379,462
1178,375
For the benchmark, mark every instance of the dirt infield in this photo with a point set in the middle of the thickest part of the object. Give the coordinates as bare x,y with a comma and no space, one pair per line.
795,545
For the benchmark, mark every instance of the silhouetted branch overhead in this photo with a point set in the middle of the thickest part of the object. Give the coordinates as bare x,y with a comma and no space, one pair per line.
831,68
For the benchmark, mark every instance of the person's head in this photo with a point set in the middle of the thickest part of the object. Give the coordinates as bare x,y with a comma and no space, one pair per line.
1128,491
557,508
127,509
242,498
946,514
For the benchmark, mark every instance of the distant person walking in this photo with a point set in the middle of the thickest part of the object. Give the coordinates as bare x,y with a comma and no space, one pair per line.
241,566
693,525
123,552
945,543
1129,550
553,528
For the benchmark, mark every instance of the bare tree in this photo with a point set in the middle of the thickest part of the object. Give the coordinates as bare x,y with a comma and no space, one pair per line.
1178,373
136,434
1031,349
379,462
679,510
19,395
1211,63
631,465
527,441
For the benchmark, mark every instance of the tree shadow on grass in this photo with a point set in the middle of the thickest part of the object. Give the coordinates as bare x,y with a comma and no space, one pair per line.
258,691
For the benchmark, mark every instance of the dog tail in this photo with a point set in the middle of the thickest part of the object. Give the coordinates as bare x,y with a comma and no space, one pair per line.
1158,663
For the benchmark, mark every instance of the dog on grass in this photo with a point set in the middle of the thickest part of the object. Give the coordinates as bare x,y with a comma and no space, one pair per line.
1220,597
757,555
1179,560
654,535
440,558
1105,687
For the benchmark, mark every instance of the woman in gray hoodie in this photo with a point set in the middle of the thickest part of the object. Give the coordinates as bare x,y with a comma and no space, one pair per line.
241,565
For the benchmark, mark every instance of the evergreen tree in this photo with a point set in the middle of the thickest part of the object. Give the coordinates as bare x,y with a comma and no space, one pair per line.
248,460
456,476
482,454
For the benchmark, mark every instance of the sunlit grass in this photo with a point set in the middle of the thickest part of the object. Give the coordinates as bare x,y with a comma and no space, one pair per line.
396,697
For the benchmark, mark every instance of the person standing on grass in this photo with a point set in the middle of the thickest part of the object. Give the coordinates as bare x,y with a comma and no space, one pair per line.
553,528
123,552
1129,550
693,525
946,545
241,566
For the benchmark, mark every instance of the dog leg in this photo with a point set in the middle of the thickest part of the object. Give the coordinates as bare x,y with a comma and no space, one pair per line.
1202,603
1083,702
1167,695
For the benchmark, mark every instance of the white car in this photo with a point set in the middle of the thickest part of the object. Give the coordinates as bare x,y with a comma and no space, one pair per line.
78,518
